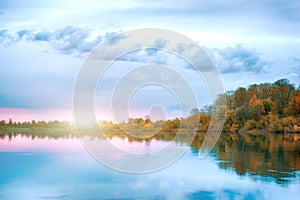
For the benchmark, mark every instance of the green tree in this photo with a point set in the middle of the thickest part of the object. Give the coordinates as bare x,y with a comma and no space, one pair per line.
195,111
243,114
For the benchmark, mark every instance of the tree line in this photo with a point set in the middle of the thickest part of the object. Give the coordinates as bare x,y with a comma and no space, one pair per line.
273,107
34,124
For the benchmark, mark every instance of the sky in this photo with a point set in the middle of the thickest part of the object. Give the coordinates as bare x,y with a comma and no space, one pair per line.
43,45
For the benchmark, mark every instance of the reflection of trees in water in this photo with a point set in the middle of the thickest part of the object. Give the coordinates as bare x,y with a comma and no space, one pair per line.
268,155
38,133
271,155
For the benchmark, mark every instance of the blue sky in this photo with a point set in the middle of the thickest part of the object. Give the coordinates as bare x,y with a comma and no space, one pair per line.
44,43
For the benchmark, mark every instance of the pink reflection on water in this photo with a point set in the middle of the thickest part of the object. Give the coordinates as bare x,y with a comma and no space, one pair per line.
21,143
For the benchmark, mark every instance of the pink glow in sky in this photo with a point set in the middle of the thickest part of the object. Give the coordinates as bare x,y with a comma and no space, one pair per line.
22,114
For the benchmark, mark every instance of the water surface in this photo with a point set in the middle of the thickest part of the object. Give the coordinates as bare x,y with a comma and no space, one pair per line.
239,167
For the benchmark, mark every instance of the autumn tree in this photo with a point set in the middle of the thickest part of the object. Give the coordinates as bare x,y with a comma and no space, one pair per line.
240,98
297,99
231,123
275,124
257,108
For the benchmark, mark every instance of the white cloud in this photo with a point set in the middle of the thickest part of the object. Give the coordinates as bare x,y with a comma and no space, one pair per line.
238,59
66,40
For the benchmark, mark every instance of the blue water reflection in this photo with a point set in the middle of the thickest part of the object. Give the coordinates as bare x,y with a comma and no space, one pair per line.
45,174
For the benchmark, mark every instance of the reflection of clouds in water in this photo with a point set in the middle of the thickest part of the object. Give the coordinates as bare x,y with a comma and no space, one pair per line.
139,185
138,147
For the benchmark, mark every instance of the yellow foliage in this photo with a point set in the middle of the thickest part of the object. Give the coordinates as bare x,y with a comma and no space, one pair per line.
253,101
275,124
288,123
